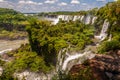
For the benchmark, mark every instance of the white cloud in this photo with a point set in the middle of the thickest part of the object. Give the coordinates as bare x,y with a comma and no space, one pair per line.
62,4
84,4
101,0
26,2
50,1
40,3
29,2
1,0
75,2
21,2
115,0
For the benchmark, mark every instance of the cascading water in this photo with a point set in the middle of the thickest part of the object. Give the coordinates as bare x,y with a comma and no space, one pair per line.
110,37
61,17
88,19
65,58
75,18
55,21
103,33
81,19
81,56
93,20
66,18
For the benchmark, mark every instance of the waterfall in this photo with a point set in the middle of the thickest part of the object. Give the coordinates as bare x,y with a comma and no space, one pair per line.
66,18
103,33
82,57
60,59
93,20
61,17
55,21
75,18
65,58
110,37
88,19
81,19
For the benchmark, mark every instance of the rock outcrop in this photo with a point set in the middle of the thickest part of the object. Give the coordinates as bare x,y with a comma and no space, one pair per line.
102,67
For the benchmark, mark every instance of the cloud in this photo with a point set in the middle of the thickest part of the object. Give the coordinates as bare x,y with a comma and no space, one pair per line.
26,2
1,0
22,2
50,1
84,4
40,3
29,2
115,0
51,5
75,2
62,4
101,0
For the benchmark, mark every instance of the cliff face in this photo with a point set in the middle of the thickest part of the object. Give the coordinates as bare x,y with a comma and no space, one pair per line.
101,67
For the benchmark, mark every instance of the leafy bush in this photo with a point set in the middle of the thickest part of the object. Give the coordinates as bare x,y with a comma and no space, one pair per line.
110,45
47,39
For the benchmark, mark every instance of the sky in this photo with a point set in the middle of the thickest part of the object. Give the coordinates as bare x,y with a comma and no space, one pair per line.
27,6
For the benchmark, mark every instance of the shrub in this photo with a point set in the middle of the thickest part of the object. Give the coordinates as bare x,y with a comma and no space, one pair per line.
110,45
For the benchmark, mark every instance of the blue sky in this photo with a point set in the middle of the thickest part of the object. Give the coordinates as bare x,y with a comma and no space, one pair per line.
52,5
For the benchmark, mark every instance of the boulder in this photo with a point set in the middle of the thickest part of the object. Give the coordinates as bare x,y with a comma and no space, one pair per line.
102,67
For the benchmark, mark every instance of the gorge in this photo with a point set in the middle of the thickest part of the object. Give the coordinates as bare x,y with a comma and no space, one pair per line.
65,47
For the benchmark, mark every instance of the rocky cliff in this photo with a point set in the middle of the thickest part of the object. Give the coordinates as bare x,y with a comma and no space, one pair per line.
101,67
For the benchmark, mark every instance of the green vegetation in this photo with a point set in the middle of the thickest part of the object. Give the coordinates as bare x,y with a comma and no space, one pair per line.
1,63
11,35
24,59
45,42
12,23
110,12
109,45
10,19
83,74
90,12
63,13
47,39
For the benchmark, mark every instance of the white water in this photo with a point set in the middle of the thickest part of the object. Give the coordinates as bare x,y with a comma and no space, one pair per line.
33,75
81,56
82,17
66,60
103,33
110,37
93,20
61,17
6,50
75,18
88,19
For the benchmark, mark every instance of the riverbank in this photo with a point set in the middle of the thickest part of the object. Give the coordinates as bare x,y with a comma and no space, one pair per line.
11,44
